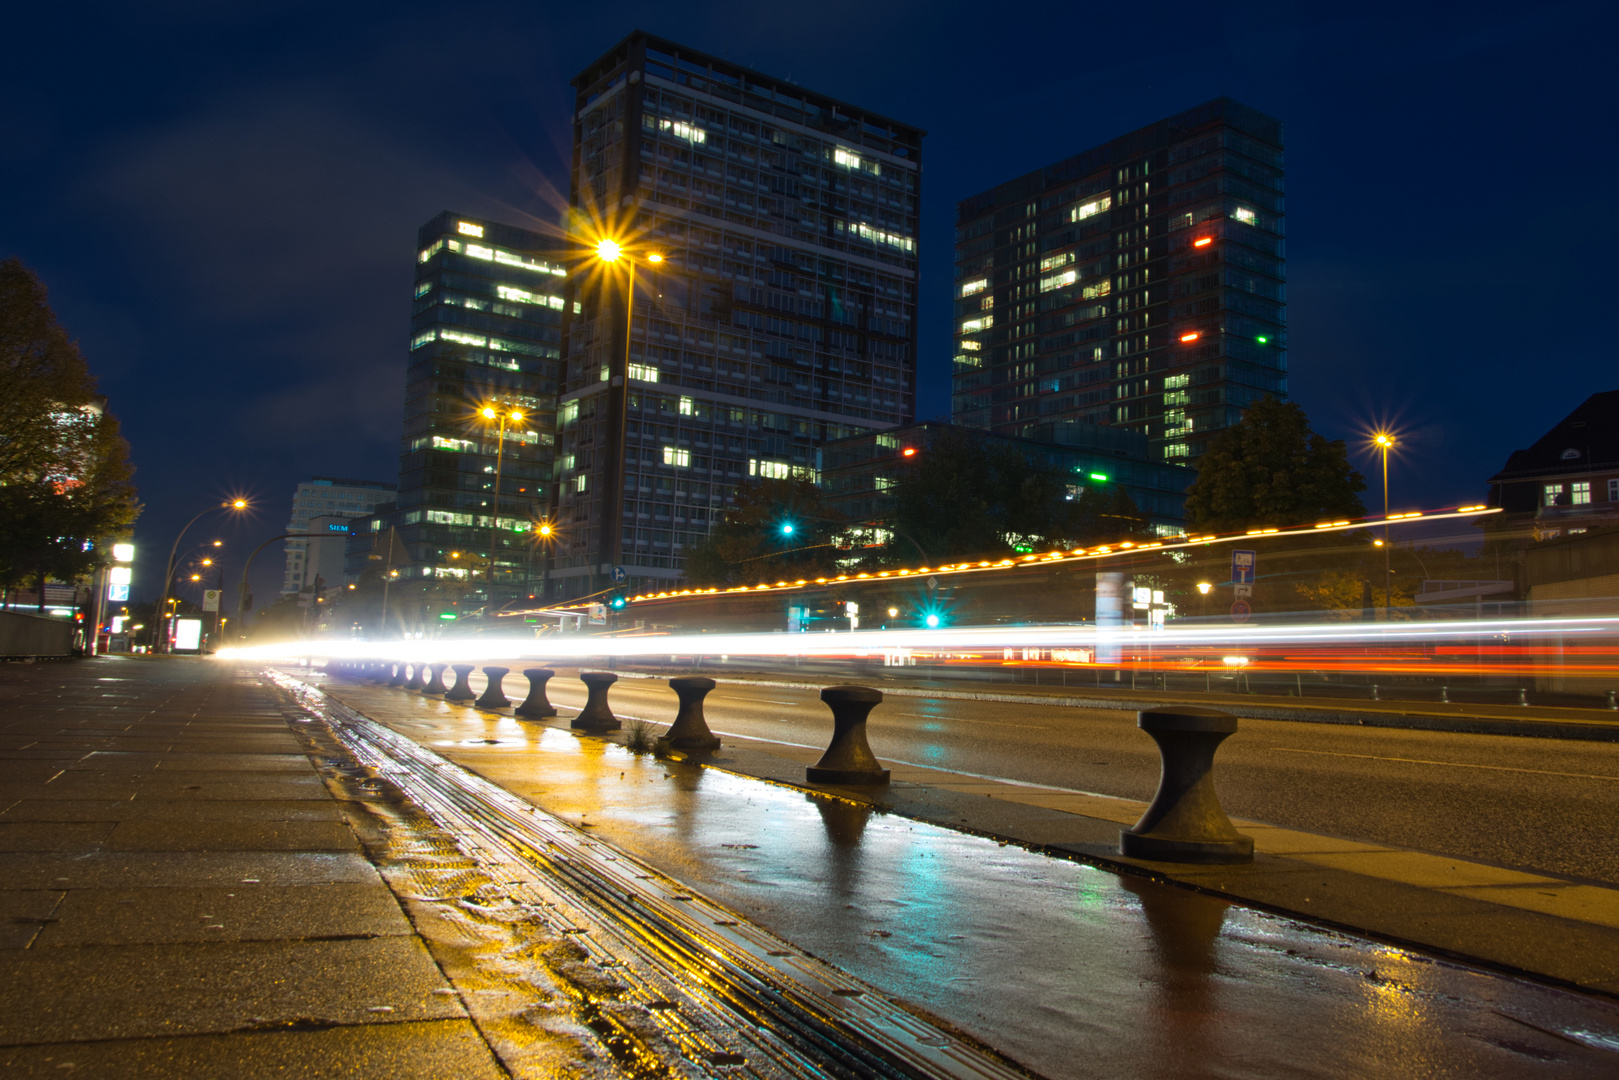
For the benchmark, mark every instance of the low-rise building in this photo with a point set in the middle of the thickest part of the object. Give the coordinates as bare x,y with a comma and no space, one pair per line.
1567,482
859,473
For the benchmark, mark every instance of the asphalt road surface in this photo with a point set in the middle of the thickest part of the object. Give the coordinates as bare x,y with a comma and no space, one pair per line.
1542,805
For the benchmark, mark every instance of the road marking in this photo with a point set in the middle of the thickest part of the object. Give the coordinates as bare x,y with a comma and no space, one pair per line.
1452,764
964,720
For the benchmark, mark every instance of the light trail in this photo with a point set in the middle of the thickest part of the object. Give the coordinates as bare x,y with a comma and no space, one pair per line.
1231,639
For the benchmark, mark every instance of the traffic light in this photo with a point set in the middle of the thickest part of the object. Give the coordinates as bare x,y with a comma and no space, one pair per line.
617,601
786,528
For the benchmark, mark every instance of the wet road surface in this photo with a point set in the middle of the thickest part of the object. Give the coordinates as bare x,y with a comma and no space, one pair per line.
1543,805
1071,970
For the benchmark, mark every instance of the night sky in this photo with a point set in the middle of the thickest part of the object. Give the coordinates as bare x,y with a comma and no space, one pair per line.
223,198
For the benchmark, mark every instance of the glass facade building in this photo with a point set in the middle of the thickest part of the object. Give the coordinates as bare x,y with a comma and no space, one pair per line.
782,314
1138,284
328,497
486,329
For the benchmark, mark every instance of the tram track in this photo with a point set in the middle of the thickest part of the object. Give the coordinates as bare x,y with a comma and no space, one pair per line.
701,990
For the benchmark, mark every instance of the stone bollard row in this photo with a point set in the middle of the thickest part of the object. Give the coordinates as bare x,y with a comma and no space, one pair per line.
690,731
849,760
435,681
494,696
596,716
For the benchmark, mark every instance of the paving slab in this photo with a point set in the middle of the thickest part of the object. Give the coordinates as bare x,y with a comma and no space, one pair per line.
237,913
218,810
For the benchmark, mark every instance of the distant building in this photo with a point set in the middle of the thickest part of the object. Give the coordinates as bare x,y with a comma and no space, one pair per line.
782,315
337,500
1567,482
860,472
1139,284
486,330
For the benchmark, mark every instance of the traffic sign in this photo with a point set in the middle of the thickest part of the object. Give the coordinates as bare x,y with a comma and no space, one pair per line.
598,613
620,575
1240,611
1241,592
1242,567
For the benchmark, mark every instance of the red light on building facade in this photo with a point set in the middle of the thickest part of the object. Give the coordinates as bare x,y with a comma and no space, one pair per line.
1204,242
1193,336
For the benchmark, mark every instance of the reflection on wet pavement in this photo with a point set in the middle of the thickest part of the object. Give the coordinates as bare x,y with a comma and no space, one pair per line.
1071,970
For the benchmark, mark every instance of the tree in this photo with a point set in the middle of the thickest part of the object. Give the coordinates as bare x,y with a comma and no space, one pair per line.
1270,469
65,476
776,529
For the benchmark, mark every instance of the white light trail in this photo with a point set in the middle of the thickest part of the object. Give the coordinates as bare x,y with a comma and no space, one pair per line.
946,639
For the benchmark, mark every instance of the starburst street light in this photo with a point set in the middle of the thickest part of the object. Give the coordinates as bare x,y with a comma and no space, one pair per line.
611,251
1384,441
502,417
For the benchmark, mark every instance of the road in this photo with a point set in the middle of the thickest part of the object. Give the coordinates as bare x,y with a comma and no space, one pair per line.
1542,805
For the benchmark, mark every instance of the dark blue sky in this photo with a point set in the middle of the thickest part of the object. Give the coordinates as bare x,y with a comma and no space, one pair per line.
223,198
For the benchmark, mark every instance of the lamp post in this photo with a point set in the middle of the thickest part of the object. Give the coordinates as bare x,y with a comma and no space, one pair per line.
1385,442
611,251
168,573
489,412
546,532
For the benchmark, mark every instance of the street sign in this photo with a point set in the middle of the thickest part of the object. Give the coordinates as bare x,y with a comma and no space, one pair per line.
1240,611
1242,567
620,575
598,613
1241,592
210,600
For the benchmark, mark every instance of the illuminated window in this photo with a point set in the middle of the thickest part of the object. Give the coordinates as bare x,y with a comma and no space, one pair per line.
1051,262
570,413
972,326
972,346
1175,450
1581,494
1244,215
878,236
1552,494
1613,490
424,288
643,373
581,482
1057,281
423,338
1100,288
970,287
676,456
431,250
686,405
696,136
775,470
847,158
968,360
479,252
1172,382
460,337
1091,209
460,446
467,228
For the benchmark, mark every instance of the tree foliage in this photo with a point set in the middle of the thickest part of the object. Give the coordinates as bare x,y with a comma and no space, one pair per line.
65,476
966,496
1270,469
749,545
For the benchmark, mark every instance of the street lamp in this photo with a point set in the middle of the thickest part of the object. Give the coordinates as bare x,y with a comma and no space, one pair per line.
168,572
515,416
610,251
1384,442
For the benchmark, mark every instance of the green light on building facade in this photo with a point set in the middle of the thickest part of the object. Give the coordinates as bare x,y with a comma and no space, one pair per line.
1099,476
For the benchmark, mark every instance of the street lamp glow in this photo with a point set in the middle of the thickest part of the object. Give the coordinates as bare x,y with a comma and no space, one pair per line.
517,415
238,504
1204,587
608,250
489,413
654,258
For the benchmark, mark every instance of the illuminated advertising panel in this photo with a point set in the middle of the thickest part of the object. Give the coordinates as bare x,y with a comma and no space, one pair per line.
188,634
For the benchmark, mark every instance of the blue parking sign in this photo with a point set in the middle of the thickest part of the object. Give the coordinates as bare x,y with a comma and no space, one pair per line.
1242,567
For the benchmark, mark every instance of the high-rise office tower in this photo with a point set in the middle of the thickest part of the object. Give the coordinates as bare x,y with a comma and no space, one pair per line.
773,236
1137,284
486,332
330,497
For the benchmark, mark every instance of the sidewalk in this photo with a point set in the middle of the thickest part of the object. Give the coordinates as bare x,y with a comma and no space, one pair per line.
182,895
1558,930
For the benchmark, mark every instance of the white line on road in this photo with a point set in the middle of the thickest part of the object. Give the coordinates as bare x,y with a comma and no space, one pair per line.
1451,764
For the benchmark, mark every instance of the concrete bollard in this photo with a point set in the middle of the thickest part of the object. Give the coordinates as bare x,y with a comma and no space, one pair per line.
1444,694
493,697
1613,700
1375,696
849,760
596,716
380,672
1523,696
536,704
396,674
1185,822
435,681
690,729
462,690
415,682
